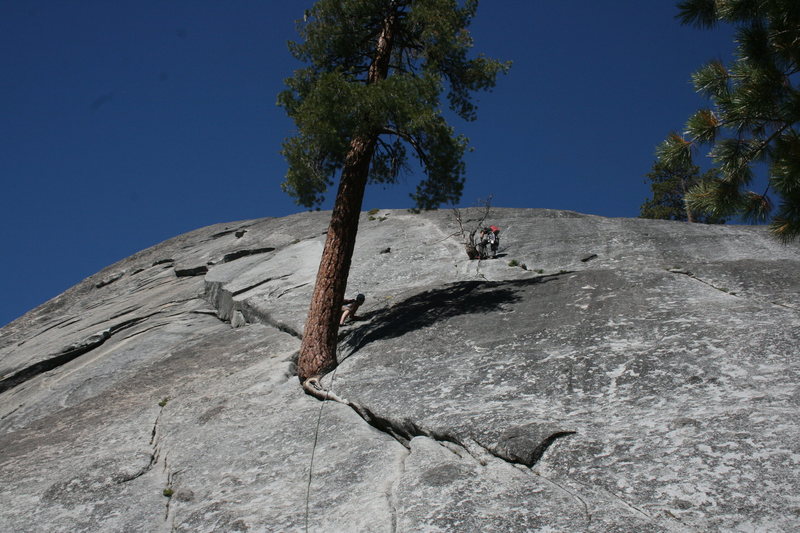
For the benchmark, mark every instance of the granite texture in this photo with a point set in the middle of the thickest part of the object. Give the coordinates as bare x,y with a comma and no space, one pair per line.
623,375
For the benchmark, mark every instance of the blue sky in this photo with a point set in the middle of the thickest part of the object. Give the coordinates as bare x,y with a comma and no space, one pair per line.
126,123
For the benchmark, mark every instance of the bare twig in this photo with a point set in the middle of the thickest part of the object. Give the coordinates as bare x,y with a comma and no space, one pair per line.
468,234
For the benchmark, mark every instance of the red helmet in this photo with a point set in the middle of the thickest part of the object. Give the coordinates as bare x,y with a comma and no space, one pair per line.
494,228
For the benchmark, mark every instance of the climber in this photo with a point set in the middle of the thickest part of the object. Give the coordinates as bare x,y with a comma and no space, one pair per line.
350,307
488,242
494,241
483,244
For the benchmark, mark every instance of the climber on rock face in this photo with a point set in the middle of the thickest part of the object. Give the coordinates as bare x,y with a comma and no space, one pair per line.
350,307
488,242
494,241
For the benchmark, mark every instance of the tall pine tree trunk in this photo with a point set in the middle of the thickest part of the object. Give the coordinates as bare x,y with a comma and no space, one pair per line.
318,349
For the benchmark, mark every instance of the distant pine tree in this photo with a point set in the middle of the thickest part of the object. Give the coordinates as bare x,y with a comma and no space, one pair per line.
670,185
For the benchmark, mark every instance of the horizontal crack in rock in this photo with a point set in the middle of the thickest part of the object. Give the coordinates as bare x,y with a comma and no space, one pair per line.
109,280
785,306
252,315
68,354
137,333
260,283
233,256
62,324
240,229
721,289
192,271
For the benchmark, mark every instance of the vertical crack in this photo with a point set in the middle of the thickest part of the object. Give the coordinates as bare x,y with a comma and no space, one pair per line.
168,491
155,435
167,475
155,447
391,491
561,488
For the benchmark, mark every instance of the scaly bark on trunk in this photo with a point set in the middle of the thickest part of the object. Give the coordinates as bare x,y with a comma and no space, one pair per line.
318,349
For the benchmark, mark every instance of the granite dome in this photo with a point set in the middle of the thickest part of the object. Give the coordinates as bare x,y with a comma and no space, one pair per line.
635,375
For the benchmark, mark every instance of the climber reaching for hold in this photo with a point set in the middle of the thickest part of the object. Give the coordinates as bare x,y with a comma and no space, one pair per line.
350,307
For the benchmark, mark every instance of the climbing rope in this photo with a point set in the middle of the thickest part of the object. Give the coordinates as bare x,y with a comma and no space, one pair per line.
316,437
314,446
311,465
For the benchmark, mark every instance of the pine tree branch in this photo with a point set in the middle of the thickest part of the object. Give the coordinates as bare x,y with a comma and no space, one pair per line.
772,137
410,140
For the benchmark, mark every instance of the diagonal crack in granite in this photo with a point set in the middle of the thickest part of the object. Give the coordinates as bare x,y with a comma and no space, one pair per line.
69,353
519,449
734,294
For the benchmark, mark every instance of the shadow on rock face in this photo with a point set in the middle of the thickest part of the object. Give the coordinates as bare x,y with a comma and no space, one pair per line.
526,444
429,307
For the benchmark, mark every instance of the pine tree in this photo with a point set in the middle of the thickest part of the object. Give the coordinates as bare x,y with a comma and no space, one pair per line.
754,114
370,93
670,185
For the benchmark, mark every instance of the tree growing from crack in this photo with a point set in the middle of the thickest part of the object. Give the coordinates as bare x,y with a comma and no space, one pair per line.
370,91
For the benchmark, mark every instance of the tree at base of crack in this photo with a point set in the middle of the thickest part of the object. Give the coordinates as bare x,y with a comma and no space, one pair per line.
370,92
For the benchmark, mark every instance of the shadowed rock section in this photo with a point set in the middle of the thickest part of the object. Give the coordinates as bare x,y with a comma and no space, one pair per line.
190,272
237,312
526,444
428,308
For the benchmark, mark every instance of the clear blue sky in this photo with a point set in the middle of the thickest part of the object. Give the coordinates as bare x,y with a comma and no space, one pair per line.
125,123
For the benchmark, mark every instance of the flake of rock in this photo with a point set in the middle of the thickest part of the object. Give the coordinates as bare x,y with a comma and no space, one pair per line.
109,280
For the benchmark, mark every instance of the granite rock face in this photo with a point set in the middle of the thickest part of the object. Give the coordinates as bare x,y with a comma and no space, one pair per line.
633,375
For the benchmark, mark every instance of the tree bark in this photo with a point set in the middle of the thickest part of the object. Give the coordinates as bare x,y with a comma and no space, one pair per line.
318,349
